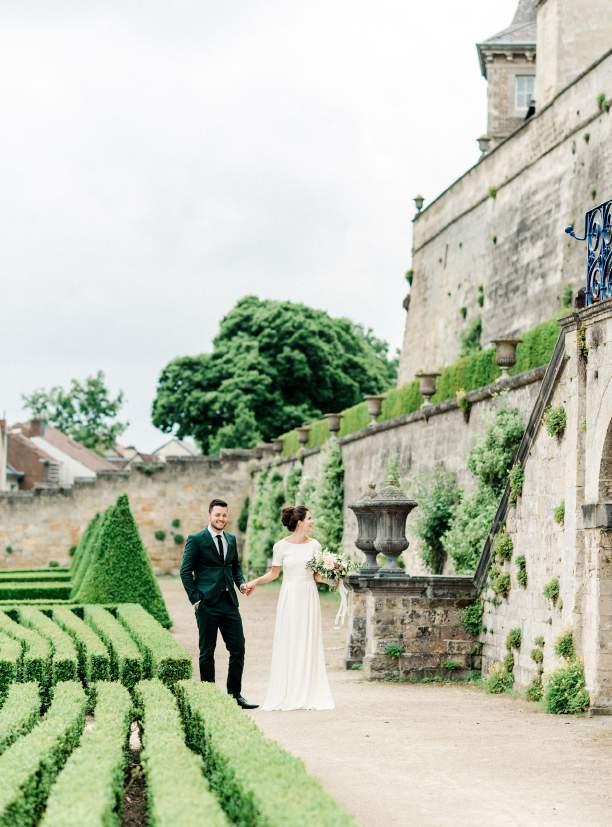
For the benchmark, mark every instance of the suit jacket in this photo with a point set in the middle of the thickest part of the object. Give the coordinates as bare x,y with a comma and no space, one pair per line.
205,576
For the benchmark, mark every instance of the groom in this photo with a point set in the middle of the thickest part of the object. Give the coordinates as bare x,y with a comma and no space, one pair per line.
209,570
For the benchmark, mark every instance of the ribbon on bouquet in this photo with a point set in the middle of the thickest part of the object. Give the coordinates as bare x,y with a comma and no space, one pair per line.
343,609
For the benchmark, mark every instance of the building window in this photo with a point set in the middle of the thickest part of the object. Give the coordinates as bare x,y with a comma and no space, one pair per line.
524,91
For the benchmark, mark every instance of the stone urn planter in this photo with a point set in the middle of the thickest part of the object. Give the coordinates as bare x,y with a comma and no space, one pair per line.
334,421
303,433
391,507
367,521
277,446
427,384
374,403
505,354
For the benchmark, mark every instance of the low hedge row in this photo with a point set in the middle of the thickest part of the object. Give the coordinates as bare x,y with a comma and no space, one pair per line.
30,765
126,661
19,713
59,570
93,657
89,790
42,575
35,663
256,781
163,657
177,790
11,651
33,590
64,661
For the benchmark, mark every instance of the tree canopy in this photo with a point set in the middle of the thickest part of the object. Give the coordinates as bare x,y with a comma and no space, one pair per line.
85,411
274,365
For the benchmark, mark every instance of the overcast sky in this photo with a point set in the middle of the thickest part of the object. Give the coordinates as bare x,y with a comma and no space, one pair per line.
160,160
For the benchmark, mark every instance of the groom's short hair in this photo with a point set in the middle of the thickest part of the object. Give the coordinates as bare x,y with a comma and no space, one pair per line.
213,503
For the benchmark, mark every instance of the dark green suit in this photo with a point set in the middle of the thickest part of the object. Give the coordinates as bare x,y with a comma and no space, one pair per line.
211,580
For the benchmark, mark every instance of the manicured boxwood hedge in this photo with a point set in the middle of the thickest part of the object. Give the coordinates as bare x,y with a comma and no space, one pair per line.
163,657
89,790
11,651
64,664
117,568
126,661
26,590
19,713
93,656
77,569
256,781
41,575
30,765
36,659
177,791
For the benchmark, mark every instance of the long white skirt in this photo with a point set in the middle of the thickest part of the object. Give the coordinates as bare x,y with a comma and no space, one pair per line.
298,678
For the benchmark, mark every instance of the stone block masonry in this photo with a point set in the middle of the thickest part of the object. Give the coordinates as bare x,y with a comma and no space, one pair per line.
421,616
42,525
499,227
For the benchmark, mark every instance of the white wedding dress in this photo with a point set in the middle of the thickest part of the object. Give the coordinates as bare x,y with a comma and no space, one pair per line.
298,678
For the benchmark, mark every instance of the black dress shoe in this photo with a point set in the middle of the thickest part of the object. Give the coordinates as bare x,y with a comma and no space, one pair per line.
242,702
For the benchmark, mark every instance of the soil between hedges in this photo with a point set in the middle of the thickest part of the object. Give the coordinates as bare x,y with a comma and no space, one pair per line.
428,755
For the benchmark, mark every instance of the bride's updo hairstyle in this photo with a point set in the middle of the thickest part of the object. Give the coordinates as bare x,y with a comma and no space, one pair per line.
291,515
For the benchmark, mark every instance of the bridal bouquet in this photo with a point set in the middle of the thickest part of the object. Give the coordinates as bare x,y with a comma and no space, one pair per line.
333,567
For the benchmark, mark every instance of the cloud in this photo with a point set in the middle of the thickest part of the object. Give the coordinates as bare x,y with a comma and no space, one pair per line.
158,162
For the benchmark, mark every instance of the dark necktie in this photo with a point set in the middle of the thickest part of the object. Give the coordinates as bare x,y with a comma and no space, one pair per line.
220,544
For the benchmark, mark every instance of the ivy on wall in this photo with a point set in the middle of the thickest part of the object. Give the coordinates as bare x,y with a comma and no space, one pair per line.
468,373
323,496
490,461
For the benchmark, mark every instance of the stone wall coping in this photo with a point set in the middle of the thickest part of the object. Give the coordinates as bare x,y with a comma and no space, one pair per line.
231,455
431,585
528,377
83,482
597,515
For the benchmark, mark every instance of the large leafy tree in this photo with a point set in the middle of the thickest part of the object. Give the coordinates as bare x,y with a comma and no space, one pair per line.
273,366
85,411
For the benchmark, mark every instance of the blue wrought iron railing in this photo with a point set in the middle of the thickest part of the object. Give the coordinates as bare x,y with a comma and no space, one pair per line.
598,236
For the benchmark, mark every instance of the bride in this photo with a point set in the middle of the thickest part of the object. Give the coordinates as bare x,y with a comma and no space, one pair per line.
298,679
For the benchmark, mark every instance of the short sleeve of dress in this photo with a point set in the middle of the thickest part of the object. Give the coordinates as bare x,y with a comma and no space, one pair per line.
277,554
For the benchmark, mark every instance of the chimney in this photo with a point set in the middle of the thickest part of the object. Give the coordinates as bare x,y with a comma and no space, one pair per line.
37,427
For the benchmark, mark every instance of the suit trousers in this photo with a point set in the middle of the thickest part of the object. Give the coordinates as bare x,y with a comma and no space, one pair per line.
222,617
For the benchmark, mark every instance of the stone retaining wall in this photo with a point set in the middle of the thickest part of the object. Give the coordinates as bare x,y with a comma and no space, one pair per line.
42,525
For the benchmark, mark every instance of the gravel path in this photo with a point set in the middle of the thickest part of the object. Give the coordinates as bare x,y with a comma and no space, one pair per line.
425,755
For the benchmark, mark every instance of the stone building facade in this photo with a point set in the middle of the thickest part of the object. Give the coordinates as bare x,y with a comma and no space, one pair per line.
492,244
561,526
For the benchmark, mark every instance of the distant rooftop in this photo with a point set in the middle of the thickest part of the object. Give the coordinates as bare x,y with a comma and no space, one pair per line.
520,33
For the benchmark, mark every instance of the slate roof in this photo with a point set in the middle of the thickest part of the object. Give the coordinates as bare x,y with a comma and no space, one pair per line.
520,33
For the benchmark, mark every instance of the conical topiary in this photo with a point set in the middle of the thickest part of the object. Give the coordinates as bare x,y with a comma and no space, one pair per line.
79,554
119,570
90,550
